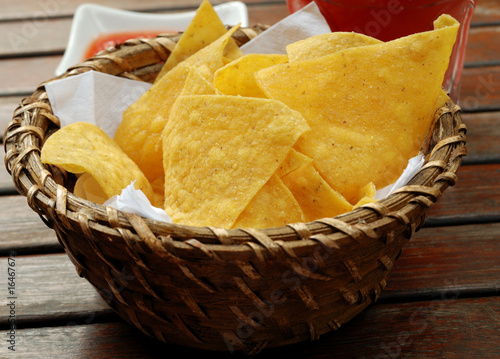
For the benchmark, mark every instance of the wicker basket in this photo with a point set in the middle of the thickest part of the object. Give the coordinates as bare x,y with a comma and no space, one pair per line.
218,289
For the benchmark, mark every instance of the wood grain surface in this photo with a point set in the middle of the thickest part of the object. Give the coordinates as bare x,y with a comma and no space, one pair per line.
442,298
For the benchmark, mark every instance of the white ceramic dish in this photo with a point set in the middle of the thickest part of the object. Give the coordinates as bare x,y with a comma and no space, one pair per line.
91,21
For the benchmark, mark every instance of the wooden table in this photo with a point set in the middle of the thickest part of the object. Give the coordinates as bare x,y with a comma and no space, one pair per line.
443,296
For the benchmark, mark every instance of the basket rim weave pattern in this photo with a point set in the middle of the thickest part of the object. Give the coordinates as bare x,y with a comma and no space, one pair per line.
87,230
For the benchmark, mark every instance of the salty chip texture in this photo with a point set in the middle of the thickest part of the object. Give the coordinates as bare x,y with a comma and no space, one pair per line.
214,56
369,107
238,77
219,151
293,160
204,28
316,198
139,133
326,44
88,188
366,195
273,206
196,84
83,147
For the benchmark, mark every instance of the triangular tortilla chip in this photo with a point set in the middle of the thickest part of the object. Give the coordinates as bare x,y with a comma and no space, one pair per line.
326,44
273,206
384,96
82,147
219,151
316,198
238,77
139,133
293,160
204,28
213,56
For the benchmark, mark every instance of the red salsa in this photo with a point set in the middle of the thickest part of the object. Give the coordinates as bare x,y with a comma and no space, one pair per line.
107,40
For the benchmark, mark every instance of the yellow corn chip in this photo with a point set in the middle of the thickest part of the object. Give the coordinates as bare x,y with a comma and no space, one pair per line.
219,151
83,147
315,196
196,84
204,28
238,77
88,188
366,195
382,96
326,44
273,206
213,56
293,160
79,189
158,186
139,133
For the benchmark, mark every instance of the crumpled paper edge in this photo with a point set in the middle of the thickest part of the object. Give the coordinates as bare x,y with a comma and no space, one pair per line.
135,201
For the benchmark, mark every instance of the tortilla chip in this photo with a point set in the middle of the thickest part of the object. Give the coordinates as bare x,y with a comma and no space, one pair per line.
196,84
88,188
139,133
381,96
293,160
366,195
326,44
83,147
219,151
238,77
204,28
214,56
273,206
158,186
314,195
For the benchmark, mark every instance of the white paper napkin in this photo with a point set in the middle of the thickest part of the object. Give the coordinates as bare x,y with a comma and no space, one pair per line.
135,201
300,25
94,97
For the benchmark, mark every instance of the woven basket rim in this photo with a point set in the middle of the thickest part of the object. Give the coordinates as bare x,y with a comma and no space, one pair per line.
33,120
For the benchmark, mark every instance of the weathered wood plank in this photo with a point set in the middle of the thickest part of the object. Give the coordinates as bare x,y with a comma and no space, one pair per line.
33,9
483,132
480,89
35,70
458,259
482,46
22,228
486,12
51,36
26,38
451,328
475,198
49,287
8,105
436,261
447,327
